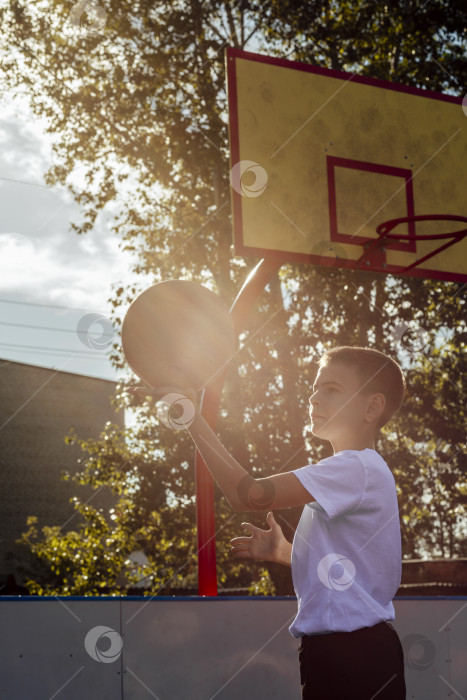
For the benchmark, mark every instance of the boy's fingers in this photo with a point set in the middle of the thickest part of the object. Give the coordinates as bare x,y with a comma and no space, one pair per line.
249,526
242,555
240,540
162,391
149,391
242,547
254,530
141,390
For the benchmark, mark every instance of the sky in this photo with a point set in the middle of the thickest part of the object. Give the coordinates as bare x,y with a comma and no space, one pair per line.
54,284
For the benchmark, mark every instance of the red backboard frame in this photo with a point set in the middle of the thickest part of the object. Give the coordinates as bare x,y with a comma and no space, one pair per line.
379,263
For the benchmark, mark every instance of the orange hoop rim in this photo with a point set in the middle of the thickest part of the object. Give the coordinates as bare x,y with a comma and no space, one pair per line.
384,229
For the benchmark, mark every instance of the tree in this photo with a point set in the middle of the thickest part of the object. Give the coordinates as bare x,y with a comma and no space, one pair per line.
140,104
407,41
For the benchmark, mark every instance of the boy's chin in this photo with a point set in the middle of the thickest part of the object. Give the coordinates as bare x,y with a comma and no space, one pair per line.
319,433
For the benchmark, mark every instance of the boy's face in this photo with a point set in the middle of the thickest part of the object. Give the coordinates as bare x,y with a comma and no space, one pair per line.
339,412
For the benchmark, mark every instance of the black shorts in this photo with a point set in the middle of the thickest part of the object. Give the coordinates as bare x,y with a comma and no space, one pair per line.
366,664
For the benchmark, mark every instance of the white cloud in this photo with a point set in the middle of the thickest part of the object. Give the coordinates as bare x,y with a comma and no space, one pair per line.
41,260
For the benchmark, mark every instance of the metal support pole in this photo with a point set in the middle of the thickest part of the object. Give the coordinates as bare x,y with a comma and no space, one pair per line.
209,408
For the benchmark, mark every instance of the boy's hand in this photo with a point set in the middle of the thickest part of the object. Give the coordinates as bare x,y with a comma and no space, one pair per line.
162,391
179,407
268,545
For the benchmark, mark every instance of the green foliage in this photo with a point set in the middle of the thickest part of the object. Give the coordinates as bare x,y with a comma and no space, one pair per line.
263,586
140,107
414,43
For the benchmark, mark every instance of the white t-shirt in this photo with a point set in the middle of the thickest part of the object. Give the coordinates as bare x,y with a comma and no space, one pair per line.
346,552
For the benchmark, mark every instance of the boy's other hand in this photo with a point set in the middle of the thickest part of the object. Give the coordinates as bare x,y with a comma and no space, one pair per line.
160,392
268,545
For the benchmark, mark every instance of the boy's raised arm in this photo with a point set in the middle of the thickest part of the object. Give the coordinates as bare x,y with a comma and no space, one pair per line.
243,492
232,479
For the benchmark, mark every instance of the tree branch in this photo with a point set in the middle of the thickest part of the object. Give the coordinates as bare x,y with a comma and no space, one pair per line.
233,32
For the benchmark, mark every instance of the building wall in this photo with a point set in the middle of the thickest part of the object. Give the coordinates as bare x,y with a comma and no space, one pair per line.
38,407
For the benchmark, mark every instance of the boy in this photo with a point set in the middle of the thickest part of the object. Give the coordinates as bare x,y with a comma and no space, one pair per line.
346,552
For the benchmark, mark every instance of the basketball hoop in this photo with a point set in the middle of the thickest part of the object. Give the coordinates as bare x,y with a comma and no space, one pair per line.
385,235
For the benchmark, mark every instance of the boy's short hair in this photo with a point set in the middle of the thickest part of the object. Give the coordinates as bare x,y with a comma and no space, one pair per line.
378,372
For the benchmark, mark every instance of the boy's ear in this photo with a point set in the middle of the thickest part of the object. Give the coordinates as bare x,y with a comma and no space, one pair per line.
375,408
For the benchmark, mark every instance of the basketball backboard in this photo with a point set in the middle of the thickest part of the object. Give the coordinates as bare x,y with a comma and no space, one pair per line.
320,158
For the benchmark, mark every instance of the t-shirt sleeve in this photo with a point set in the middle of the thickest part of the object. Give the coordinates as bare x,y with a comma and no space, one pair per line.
337,483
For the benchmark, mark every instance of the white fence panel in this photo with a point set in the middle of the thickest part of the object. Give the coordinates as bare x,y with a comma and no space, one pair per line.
216,648
42,652
434,638
199,648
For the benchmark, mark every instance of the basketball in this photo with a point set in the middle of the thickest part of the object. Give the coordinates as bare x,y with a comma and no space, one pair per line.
178,333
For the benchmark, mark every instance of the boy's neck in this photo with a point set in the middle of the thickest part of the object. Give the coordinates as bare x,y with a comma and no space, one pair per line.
354,443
